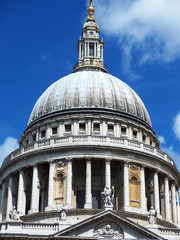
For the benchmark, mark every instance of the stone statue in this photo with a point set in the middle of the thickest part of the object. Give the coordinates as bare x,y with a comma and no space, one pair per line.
63,214
107,232
108,196
14,214
152,216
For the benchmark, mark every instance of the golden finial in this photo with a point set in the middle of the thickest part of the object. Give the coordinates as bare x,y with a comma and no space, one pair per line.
91,11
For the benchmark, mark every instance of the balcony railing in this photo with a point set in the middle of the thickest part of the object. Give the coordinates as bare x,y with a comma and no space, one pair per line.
89,140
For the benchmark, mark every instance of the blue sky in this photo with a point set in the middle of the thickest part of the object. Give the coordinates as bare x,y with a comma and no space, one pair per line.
38,45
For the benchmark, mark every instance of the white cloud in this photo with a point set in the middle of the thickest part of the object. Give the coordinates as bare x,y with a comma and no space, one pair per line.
176,126
162,139
150,27
9,145
173,154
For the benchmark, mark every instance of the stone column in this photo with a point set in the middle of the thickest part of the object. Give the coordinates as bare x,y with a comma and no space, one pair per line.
102,53
156,193
88,203
130,132
117,134
143,189
80,47
126,185
88,49
140,136
104,128
75,128
173,195
50,186
34,193
21,201
69,184
60,129
178,210
2,201
9,197
48,131
89,127
166,198
108,173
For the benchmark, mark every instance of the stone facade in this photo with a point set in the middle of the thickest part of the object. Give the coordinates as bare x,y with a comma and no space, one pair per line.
89,172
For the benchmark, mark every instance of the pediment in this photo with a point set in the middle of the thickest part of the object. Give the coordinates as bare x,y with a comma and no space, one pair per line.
107,224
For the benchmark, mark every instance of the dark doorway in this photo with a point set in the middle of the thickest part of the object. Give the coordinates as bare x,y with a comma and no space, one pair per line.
80,198
96,199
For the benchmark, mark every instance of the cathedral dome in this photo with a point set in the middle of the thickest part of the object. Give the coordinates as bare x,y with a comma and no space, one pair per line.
88,90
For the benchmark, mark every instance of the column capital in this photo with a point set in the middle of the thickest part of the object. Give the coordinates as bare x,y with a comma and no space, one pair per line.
88,158
69,159
142,167
156,172
108,160
34,165
19,169
166,178
126,163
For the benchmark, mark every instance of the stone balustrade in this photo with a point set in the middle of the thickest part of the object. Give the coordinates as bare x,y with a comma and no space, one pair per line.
173,233
89,140
36,228
40,226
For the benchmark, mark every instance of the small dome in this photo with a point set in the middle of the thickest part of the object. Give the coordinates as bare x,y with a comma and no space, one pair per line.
91,24
90,90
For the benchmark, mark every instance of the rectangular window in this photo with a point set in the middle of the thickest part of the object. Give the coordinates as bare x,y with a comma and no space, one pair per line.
110,128
144,138
123,130
96,127
82,127
54,130
134,134
43,133
34,137
68,128
91,49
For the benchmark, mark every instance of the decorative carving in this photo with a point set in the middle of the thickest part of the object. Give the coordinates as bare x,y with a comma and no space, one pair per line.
60,169
62,214
108,196
60,164
69,159
108,230
126,164
134,187
14,214
152,216
134,167
108,160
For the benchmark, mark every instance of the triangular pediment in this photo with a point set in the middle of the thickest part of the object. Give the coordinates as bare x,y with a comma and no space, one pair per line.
107,224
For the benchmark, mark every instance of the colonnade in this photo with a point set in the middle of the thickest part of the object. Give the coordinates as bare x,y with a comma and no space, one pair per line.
170,192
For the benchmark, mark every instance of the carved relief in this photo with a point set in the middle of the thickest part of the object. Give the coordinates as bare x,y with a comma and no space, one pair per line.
108,230
134,186
60,172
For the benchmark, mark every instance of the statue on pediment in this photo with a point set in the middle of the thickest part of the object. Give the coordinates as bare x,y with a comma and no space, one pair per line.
14,214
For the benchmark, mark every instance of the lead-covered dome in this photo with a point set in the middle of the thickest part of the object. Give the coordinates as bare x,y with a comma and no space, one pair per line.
90,90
